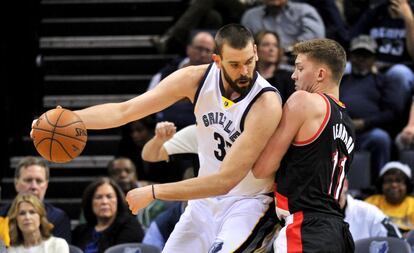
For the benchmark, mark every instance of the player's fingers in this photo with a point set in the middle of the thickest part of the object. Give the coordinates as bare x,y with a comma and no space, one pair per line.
160,128
33,124
171,131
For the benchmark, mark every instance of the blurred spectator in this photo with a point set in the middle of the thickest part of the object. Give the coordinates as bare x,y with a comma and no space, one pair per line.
200,14
4,231
108,221
394,186
122,171
365,220
405,139
391,24
161,228
292,21
134,136
269,65
32,176
335,25
372,102
30,230
199,51
353,10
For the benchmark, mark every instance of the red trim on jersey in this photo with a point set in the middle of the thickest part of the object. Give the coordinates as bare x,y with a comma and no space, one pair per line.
321,128
294,235
341,104
282,201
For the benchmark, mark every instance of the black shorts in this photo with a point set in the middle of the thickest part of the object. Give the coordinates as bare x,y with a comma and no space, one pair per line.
315,233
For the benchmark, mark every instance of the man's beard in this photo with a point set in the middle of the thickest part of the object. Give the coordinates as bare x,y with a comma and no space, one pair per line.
233,84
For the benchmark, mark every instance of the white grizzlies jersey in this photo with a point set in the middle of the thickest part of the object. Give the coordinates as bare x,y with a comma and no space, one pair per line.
220,121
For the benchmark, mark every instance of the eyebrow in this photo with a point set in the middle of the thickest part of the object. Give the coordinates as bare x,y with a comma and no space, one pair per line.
251,58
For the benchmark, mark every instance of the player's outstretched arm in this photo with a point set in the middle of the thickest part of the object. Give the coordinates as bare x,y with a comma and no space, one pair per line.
294,114
260,124
153,150
181,84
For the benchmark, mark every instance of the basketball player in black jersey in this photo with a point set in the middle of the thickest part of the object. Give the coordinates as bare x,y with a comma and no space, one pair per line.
315,138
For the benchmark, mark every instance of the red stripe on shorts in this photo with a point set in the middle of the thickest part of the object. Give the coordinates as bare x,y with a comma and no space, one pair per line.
294,235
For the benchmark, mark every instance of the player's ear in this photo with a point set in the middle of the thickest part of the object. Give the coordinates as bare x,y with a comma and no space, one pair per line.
321,74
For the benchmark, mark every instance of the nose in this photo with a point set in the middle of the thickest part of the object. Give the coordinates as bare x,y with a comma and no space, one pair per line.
244,70
293,76
34,185
105,200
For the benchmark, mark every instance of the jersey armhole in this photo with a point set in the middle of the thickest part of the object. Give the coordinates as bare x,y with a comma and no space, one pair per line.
322,126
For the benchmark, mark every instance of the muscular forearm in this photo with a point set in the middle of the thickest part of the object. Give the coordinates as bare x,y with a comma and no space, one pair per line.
102,116
195,188
154,151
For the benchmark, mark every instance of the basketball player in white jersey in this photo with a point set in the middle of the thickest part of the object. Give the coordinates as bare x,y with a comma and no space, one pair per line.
236,112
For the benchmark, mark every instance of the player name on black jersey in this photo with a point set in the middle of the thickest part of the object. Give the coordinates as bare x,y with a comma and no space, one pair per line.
340,132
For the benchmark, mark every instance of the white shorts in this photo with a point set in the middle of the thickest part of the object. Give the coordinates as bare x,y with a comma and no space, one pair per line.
227,224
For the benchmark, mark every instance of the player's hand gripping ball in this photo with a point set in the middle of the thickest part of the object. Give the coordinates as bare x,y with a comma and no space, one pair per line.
59,135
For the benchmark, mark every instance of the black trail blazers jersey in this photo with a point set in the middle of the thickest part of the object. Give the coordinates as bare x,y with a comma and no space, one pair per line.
312,172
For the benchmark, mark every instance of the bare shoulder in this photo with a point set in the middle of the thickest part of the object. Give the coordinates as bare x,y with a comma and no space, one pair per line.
184,81
306,103
270,101
195,73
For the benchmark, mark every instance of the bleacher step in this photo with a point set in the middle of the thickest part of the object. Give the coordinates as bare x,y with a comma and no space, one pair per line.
84,8
108,64
95,84
105,25
129,41
81,162
80,101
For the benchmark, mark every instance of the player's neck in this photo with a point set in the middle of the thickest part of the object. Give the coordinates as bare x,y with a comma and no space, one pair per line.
331,91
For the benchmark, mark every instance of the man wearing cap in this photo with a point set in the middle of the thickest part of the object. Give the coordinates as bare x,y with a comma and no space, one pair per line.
394,186
372,102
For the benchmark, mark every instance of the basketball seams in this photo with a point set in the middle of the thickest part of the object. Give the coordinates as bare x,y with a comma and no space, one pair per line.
60,134
70,137
53,134
44,139
63,147
79,121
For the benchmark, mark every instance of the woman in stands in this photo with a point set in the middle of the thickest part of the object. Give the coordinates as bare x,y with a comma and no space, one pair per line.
271,63
30,231
108,221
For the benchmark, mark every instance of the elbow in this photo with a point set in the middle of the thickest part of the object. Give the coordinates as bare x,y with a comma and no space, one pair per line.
259,174
146,156
264,172
226,186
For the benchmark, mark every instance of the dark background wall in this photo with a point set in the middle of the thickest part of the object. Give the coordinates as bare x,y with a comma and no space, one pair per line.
19,76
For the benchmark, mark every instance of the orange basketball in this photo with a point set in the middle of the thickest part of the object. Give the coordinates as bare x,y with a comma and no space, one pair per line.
59,135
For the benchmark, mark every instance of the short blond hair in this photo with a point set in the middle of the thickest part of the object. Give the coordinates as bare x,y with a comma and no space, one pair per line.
325,51
16,236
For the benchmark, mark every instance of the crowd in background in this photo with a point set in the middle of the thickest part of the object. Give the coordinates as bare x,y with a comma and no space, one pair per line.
377,89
